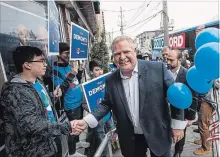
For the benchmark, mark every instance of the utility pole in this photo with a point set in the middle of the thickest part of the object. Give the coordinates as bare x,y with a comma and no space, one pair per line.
121,29
165,23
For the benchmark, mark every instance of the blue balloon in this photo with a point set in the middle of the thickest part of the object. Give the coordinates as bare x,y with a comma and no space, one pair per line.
179,95
206,36
197,82
207,60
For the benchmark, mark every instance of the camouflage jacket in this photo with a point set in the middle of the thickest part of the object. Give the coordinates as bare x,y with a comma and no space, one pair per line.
28,132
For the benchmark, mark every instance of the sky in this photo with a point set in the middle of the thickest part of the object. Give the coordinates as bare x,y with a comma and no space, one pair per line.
187,13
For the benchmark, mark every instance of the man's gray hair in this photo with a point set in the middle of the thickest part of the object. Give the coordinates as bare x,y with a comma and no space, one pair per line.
165,48
122,38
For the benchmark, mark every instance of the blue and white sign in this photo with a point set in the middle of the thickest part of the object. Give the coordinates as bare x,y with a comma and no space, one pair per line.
94,91
79,43
158,43
53,28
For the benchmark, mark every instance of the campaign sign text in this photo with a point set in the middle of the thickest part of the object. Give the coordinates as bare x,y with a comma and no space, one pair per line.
79,43
94,91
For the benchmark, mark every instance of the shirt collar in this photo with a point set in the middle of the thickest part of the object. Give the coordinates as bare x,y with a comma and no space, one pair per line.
176,72
134,71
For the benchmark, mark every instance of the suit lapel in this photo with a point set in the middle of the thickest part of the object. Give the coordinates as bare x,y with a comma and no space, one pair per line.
122,95
142,77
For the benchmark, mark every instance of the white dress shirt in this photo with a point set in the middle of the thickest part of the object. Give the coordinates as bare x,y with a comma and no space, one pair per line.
175,73
131,88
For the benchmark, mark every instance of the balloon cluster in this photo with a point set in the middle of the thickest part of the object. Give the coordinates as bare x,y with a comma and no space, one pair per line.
201,76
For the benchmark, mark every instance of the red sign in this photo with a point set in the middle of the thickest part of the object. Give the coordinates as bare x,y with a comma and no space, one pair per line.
177,41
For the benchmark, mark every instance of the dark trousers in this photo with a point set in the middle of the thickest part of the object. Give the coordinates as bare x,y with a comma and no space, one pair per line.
180,144
3,153
72,140
59,146
140,148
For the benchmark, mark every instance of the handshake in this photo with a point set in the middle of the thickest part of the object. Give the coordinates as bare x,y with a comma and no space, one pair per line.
78,126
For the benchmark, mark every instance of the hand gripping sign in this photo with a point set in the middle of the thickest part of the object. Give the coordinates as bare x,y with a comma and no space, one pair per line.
94,91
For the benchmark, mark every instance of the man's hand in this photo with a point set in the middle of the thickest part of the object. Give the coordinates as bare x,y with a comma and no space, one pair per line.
177,135
78,126
57,92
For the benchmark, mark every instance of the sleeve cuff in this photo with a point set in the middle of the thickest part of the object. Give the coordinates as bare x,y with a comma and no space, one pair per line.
178,124
91,120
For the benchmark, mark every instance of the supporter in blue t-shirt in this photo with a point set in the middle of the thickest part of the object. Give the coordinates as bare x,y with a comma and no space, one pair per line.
68,80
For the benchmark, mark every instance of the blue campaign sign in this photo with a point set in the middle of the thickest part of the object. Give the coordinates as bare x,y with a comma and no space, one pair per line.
94,91
79,43
53,28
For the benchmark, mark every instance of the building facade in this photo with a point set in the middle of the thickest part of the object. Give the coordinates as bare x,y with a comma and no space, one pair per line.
28,23
143,42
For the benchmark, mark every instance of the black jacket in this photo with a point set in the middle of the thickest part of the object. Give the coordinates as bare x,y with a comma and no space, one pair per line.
190,112
28,132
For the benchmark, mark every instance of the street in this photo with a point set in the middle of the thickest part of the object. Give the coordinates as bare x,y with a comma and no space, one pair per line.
188,148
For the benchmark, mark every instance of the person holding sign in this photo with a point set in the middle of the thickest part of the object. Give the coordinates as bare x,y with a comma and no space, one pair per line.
136,93
95,135
64,76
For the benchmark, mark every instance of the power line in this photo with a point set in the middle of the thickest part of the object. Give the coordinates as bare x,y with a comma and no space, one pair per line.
140,21
155,8
132,19
125,10
147,21
143,20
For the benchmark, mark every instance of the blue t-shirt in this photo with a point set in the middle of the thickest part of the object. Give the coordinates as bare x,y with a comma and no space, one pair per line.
73,97
46,100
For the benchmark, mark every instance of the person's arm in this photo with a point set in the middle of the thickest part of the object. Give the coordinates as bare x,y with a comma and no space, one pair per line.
79,75
100,111
59,81
25,110
177,115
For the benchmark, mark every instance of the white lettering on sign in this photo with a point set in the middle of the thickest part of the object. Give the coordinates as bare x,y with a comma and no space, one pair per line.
158,43
81,38
97,89
177,41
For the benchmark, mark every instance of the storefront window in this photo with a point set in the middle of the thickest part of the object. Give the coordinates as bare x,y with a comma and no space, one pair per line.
21,25
36,7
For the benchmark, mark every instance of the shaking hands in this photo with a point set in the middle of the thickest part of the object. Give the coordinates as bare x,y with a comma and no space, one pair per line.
78,126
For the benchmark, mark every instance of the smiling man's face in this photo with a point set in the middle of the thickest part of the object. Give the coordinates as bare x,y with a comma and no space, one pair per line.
125,55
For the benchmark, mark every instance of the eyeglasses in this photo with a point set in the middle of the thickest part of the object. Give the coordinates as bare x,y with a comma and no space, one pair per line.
39,61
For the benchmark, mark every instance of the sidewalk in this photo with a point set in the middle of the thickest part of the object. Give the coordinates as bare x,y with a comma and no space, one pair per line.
188,148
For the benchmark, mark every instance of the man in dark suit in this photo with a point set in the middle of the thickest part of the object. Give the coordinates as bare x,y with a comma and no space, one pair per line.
136,93
179,75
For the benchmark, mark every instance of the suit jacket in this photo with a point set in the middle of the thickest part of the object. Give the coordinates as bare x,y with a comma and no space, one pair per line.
181,77
154,116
